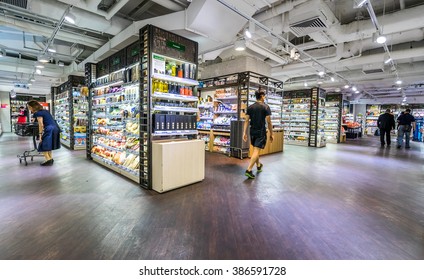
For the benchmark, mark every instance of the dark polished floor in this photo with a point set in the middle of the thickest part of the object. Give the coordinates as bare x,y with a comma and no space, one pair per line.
345,201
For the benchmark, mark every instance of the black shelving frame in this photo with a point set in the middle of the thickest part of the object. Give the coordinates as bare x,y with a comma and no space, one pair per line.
317,98
244,83
154,40
73,82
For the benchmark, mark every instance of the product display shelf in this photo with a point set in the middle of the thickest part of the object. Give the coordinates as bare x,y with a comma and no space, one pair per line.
231,95
219,105
70,111
115,123
21,100
316,128
168,102
333,117
373,112
296,117
61,109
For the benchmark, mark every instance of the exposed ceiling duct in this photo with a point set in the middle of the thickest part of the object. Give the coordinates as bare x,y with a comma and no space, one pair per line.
193,23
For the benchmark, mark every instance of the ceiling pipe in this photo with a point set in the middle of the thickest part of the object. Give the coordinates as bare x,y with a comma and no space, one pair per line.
267,53
299,70
45,31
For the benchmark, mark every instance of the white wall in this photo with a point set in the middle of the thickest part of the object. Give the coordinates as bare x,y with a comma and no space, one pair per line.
5,113
239,64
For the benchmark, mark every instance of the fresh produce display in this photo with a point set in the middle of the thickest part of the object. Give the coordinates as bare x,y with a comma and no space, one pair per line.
115,123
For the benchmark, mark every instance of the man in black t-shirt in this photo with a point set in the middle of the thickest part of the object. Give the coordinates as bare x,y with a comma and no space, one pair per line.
256,115
386,122
406,124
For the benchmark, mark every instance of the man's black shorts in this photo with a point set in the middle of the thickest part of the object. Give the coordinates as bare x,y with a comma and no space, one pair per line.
258,141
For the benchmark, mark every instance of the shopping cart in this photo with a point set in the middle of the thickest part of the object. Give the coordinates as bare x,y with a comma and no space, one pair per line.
28,129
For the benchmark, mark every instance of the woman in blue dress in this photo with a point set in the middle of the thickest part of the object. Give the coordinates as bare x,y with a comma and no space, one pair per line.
48,130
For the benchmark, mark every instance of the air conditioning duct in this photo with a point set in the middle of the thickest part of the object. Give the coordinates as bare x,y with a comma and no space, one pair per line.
372,68
310,17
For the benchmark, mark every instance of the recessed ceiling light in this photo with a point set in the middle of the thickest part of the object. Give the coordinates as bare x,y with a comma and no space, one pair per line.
346,86
398,82
321,73
38,71
354,88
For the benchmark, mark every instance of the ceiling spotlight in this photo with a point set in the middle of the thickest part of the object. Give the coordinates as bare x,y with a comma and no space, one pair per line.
240,45
356,91
332,79
319,81
70,18
43,59
2,52
359,3
51,49
388,60
29,84
32,79
399,88
398,82
321,73
305,84
38,71
60,63
346,86
248,34
354,88
381,39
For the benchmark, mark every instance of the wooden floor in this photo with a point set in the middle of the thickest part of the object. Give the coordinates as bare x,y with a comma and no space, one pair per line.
345,201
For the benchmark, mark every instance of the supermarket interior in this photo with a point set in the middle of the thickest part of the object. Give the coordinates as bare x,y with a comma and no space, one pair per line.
151,98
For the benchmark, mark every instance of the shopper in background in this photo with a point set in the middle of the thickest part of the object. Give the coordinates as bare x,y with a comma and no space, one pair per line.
22,117
406,124
397,120
386,122
48,130
256,115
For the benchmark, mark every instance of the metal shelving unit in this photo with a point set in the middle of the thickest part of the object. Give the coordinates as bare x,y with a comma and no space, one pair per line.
70,108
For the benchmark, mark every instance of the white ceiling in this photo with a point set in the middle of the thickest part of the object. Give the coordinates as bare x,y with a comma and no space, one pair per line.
343,42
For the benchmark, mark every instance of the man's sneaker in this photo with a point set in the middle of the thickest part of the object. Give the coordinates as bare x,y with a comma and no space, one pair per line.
249,174
259,167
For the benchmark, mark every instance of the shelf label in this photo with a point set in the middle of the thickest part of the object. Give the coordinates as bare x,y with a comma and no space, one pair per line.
158,64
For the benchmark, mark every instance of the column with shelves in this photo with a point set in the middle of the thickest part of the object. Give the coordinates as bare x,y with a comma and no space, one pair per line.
62,115
70,111
219,105
168,102
296,117
373,112
317,117
333,117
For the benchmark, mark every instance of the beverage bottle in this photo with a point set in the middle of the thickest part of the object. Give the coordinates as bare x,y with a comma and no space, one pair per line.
160,86
165,87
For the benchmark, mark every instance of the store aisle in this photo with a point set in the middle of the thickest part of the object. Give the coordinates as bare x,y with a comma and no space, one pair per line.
345,201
